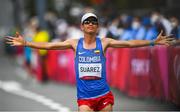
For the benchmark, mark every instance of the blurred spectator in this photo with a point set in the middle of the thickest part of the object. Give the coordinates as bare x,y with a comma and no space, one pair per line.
61,29
120,29
138,31
127,33
151,32
74,32
161,22
113,29
42,36
175,27
29,32
51,19
103,30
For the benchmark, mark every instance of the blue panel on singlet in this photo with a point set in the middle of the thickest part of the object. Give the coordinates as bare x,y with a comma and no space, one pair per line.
90,66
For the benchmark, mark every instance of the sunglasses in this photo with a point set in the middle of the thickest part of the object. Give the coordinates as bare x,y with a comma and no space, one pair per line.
92,21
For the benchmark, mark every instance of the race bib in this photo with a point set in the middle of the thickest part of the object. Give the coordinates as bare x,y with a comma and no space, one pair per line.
90,71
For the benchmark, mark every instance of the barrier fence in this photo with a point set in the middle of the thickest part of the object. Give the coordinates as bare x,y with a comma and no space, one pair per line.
139,72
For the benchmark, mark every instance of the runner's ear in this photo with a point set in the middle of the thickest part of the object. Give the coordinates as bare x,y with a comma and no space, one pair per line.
82,27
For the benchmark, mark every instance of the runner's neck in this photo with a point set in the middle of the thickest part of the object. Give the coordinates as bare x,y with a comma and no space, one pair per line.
89,39
89,42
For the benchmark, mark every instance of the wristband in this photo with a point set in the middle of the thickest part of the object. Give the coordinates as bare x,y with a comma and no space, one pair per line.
152,43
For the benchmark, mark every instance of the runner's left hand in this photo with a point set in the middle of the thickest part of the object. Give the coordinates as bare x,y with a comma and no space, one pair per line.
164,40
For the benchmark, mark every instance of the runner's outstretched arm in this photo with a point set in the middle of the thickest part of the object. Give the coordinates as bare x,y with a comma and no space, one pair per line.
18,40
160,40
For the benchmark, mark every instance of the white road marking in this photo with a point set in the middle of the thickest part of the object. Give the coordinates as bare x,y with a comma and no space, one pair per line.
16,88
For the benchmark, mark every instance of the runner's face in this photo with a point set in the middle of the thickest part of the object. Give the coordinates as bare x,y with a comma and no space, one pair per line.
90,25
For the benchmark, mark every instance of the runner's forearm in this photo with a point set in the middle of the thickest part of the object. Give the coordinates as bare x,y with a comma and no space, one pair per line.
131,43
38,45
141,43
49,45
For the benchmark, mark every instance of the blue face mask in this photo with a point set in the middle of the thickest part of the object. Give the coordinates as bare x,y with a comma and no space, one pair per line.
135,25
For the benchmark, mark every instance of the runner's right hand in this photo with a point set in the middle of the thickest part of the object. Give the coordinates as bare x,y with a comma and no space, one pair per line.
18,40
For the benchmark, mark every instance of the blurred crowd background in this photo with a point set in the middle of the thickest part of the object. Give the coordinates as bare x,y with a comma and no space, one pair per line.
119,19
58,20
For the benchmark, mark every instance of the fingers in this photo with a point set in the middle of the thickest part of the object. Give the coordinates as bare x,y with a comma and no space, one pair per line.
17,34
173,42
159,37
170,39
9,40
9,37
14,41
169,36
167,41
161,32
11,43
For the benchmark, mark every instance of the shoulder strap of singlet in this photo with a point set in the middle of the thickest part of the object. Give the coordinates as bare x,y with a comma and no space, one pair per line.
79,45
99,44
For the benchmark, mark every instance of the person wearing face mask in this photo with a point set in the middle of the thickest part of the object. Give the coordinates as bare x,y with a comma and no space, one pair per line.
161,22
127,30
138,31
151,31
175,27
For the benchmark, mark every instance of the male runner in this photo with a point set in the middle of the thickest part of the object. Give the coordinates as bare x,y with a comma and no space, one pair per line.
93,92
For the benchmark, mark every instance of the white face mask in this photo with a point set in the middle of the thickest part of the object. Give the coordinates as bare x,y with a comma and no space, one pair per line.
174,24
154,18
135,25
